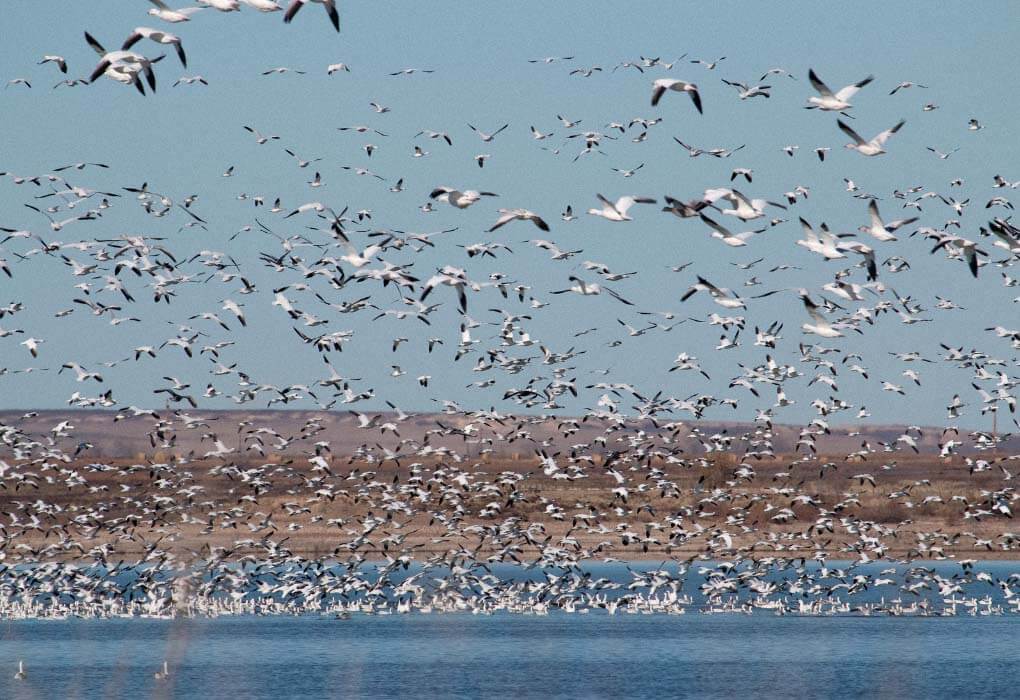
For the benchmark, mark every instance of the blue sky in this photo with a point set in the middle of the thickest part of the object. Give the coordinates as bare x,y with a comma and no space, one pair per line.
182,139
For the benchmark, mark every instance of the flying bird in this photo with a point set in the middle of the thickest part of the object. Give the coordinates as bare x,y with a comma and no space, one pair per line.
874,147
830,101
661,85
328,5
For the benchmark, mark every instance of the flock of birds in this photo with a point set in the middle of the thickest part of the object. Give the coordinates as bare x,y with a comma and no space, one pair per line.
432,519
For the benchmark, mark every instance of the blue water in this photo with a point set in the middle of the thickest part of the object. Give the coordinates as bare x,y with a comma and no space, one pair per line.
561,655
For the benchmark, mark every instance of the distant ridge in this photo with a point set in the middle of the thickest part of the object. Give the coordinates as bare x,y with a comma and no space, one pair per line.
129,437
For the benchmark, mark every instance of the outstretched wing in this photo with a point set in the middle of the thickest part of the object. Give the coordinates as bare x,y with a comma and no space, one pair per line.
657,92
292,10
696,99
817,83
504,218
851,90
845,128
884,136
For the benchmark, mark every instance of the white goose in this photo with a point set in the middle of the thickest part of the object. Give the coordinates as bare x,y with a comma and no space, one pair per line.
618,211
744,208
720,295
821,325
116,66
579,286
880,230
160,37
745,91
660,86
329,5
263,5
124,66
222,5
508,215
456,198
824,244
833,102
965,246
866,252
452,277
487,138
56,60
163,12
726,236
874,147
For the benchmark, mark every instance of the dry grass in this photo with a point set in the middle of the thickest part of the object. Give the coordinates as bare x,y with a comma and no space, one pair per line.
756,501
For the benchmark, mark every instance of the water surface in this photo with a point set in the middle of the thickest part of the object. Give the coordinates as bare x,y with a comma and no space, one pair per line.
559,655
